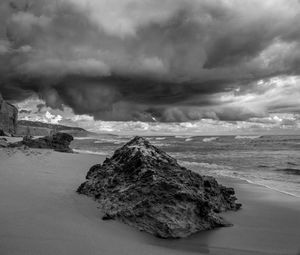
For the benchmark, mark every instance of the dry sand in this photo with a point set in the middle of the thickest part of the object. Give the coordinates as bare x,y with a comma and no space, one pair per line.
40,213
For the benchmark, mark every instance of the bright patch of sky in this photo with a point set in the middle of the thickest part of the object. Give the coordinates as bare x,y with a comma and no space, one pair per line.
268,95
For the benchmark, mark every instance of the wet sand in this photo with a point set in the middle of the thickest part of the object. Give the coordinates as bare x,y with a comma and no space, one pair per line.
40,213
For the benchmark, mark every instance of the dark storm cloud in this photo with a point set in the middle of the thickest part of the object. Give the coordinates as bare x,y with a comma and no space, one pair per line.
147,60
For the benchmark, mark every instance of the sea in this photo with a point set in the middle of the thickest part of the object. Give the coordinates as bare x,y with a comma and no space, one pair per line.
272,161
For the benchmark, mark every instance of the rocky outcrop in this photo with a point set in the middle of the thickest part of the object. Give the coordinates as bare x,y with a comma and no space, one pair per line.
36,128
144,187
58,142
8,118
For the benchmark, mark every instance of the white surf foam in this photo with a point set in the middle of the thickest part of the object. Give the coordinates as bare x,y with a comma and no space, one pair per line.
247,136
91,152
85,138
183,136
209,139
227,171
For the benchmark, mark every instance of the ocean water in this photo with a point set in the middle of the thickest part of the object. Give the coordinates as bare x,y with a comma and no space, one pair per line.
271,161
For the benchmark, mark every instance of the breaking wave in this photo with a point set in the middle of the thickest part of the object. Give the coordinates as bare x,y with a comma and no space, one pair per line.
194,164
102,153
114,141
160,138
227,171
209,139
247,136
84,138
183,136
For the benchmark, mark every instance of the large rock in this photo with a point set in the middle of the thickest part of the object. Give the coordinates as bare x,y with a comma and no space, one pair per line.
58,142
8,118
146,188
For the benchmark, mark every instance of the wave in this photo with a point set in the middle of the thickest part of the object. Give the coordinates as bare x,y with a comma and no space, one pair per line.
102,153
247,137
262,166
188,139
160,144
118,142
227,171
270,187
292,171
160,138
85,138
291,163
108,141
259,182
205,165
183,136
209,139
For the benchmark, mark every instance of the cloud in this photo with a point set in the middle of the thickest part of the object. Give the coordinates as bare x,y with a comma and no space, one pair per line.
22,111
168,60
279,123
4,47
40,107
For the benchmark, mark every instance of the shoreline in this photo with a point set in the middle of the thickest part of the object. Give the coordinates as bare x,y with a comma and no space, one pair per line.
42,214
219,176
268,187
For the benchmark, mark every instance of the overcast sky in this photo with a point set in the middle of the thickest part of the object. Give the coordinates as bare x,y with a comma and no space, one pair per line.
180,66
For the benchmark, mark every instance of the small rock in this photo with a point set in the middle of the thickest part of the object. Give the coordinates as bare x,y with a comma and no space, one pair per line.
58,142
3,143
108,217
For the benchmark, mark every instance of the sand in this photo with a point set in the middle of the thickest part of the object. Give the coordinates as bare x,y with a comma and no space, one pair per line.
40,213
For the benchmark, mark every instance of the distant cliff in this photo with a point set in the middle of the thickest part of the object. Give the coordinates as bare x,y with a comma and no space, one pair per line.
35,128
8,118
9,124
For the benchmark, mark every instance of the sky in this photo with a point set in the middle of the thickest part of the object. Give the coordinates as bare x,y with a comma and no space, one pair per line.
154,66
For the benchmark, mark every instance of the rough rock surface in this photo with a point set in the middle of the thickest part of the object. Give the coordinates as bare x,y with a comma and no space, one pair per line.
58,142
8,118
144,187
3,143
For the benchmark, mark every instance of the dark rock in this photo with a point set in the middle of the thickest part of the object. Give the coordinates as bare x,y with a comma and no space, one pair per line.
107,217
59,142
144,187
3,143
8,118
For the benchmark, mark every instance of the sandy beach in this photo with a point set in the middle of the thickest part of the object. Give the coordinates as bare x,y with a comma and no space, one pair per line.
42,214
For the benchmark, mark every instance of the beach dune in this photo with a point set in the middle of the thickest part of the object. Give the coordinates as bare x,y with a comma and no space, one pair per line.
41,213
